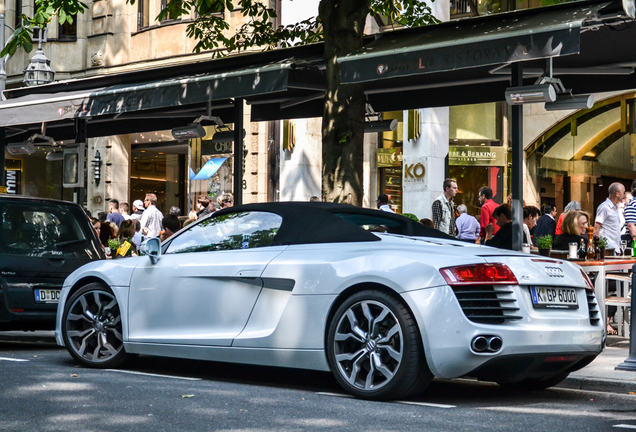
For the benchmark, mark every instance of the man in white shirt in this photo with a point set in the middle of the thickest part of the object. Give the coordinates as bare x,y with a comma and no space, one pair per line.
383,203
151,218
608,222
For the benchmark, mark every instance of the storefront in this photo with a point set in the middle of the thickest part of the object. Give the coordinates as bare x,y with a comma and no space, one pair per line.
477,154
581,155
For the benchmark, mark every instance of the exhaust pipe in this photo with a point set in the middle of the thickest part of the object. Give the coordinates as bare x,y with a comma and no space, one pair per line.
494,344
479,344
484,343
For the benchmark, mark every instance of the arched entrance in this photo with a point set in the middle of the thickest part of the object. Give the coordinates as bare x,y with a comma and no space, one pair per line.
581,155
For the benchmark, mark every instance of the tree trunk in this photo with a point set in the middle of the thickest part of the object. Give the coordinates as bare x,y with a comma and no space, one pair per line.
343,116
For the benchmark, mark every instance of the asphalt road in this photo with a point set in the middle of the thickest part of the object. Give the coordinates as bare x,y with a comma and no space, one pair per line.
42,389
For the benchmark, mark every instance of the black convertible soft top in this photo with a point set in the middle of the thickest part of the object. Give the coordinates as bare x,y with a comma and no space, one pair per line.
319,222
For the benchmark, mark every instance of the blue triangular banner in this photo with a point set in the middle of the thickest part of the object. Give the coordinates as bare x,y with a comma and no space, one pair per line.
209,169
192,174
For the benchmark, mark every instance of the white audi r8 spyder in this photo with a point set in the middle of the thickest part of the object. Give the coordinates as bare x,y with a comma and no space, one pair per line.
381,301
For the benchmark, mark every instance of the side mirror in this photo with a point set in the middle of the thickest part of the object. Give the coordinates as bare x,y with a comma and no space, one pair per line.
152,248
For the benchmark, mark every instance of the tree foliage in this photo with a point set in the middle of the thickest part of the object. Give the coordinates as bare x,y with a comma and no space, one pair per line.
211,29
339,23
65,10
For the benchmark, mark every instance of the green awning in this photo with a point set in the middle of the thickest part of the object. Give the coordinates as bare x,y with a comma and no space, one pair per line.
166,93
473,42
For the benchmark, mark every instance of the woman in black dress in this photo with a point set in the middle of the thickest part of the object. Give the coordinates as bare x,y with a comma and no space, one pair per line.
573,230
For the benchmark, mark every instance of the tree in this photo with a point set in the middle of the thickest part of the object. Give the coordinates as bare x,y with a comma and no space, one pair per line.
340,23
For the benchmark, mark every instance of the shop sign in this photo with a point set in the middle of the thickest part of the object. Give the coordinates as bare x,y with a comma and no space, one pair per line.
12,177
389,157
211,148
414,170
477,155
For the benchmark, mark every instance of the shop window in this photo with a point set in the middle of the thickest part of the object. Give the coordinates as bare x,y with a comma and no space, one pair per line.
159,171
475,122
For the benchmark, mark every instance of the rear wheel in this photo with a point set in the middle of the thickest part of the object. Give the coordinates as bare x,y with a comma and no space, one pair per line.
92,327
375,349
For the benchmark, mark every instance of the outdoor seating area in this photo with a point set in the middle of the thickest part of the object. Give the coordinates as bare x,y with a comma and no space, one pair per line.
613,269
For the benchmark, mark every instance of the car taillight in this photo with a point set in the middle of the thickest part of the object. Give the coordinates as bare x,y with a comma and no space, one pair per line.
484,274
588,282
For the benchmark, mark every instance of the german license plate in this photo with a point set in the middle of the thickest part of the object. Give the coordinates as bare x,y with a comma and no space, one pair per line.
47,296
554,298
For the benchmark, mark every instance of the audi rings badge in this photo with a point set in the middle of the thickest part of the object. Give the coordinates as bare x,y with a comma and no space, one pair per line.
554,272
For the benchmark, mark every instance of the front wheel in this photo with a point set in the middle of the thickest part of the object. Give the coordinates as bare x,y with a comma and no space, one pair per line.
375,349
92,327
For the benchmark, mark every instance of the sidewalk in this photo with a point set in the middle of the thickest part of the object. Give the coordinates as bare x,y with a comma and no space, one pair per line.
46,337
599,375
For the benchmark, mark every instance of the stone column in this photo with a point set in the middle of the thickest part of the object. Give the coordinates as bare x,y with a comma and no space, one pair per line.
115,172
424,162
301,163
429,149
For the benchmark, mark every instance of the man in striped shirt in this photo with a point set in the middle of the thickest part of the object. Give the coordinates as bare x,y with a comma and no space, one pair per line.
630,214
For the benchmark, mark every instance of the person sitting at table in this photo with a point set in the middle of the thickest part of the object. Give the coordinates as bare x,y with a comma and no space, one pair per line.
573,230
503,238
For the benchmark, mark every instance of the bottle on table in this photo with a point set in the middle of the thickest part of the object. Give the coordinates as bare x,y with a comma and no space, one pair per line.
591,252
582,252
597,250
633,246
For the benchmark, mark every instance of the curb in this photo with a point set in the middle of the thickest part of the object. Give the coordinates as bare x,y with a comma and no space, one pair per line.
42,337
606,385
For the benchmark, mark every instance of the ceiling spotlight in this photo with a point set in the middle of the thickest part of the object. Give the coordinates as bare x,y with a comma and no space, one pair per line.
380,126
192,131
568,102
22,148
55,156
531,94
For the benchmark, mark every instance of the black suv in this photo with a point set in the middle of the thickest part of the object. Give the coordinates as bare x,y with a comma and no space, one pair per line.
42,241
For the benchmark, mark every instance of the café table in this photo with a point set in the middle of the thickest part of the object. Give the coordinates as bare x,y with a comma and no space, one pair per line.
601,268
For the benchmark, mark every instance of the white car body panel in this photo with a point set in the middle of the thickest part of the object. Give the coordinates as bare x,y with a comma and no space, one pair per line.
206,301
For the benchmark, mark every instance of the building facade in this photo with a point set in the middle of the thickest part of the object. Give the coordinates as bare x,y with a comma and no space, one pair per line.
569,155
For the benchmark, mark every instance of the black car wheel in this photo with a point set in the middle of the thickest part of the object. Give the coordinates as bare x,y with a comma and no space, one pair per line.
92,328
375,349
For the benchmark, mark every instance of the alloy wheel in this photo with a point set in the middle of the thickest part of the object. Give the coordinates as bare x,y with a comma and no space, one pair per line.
368,345
93,326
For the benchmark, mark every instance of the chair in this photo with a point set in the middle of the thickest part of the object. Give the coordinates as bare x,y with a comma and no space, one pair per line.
622,300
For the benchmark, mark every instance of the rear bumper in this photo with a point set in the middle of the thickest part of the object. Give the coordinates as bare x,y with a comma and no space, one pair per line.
514,368
27,317
447,334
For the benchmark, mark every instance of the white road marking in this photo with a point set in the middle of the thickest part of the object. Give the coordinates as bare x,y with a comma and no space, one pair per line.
342,395
12,359
539,409
625,426
428,404
154,375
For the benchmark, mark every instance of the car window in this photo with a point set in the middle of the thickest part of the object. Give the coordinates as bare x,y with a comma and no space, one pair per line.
243,230
29,230
374,223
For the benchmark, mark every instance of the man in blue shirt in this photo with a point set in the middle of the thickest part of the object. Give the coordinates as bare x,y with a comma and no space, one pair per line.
467,226
114,215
